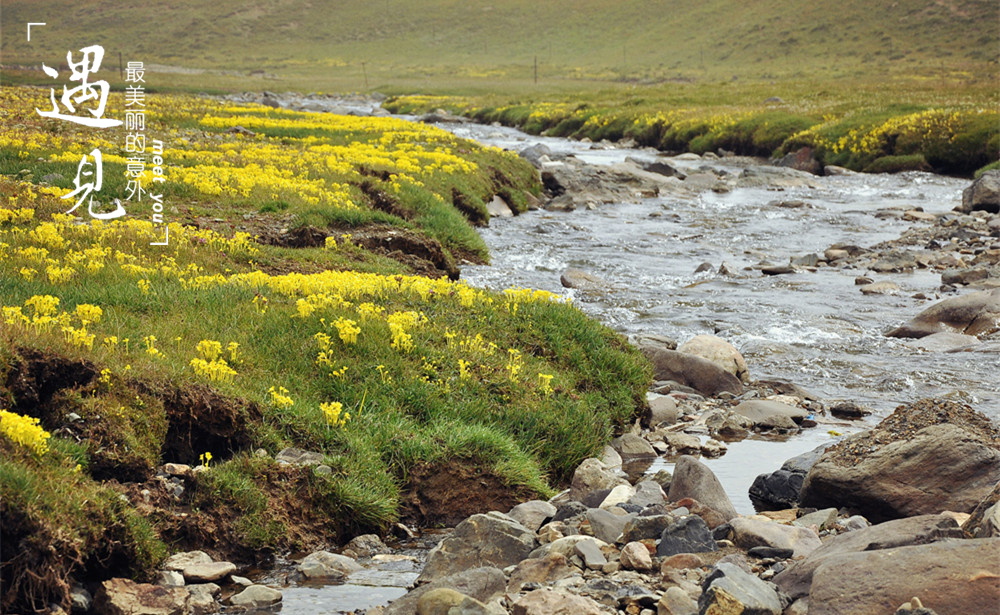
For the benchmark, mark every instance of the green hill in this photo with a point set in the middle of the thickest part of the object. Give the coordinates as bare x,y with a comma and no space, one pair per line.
326,45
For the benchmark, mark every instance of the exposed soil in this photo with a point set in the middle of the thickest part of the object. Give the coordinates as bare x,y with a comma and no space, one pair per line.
473,214
383,201
34,380
445,494
421,253
906,421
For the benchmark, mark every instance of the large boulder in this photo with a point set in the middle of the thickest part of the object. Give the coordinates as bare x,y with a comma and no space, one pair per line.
483,584
925,529
926,457
551,602
689,535
749,533
780,489
728,589
951,577
700,374
493,539
972,314
983,194
592,475
693,479
532,514
718,351
577,278
125,597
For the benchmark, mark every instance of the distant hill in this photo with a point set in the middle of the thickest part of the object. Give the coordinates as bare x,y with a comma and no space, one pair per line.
648,40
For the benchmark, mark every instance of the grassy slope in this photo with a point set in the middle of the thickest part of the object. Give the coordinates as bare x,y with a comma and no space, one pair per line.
321,45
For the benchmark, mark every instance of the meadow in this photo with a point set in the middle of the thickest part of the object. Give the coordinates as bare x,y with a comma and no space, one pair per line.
219,351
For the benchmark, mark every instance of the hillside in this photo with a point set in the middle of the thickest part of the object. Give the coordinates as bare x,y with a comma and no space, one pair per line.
332,45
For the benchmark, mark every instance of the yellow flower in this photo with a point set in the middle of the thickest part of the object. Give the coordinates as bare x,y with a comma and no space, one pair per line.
25,431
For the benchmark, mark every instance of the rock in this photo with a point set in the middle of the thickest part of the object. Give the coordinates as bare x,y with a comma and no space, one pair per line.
483,584
682,442
945,341
749,533
498,208
693,479
619,495
256,596
607,526
631,446
910,464
775,177
577,278
658,167
848,410
552,567
366,545
984,521
718,351
203,573
949,577
445,601
178,469
802,159
806,260
481,540
797,578
532,514
590,553
777,269
326,565
241,581
880,288
675,601
566,546
781,489
771,414
728,589
833,254
610,457
552,602
700,374
709,515
983,194
647,493
635,556
570,509
592,475
770,552
180,561
80,600
646,528
170,578
299,457
728,270
821,519
976,313
534,154
203,598
713,448
689,535
681,561
662,411
964,276
125,597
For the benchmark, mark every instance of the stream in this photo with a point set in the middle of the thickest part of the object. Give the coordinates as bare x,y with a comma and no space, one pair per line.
814,329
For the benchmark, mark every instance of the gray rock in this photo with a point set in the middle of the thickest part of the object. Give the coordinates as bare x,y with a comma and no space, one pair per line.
945,341
976,314
203,573
550,568
749,533
592,475
482,583
203,598
647,493
718,351
803,159
797,578
552,602
445,601
631,446
570,509
607,526
635,556
984,520
498,208
700,374
480,540
366,545
577,278
693,479
949,577
646,528
781,489
771,414
170,578
180,561
879,288
964,276
534,154
125,597
532,514
326,565
682,442
80,600
728,589
659,167
590,553
822,519
675,601
689,535
610,457
297,456
256,596
983,194
662,411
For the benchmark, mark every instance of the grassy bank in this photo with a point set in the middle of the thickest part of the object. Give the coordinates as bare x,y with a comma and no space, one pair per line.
117,356
872,127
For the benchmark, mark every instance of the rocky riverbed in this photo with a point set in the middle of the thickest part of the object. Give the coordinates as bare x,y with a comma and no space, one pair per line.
898,510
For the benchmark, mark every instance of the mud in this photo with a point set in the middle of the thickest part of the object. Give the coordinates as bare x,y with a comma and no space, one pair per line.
445,494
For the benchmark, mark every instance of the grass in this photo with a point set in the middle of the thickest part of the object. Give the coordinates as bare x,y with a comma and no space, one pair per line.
437,373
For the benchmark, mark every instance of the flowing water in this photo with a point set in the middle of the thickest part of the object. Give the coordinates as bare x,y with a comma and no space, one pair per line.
813,329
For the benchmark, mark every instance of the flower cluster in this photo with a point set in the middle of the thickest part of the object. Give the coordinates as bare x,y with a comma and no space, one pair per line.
25,431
